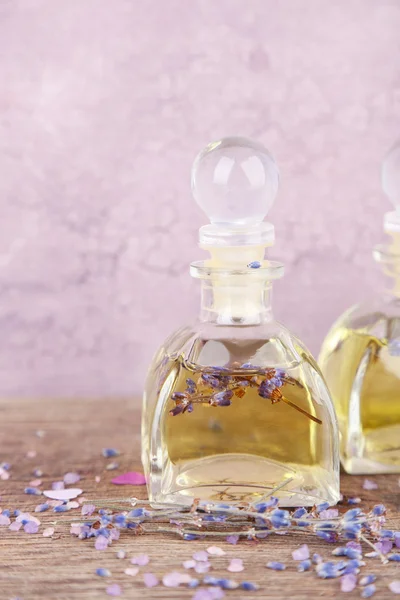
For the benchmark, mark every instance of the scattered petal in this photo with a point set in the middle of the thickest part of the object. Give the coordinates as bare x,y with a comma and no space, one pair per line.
189,564
112,466
32,491
131,478
202,567
276,566
103,572
88,509
232,539
150,580
48,532
172,579
31,527
42,507
132,571
4,520
236,565
114,590
63,494
302,553
366,580
368,591
57,485
216,551
348,582
201,555
110,452
101,542
121,554
71,478
394,586
35,483
369,485
141,560
15,526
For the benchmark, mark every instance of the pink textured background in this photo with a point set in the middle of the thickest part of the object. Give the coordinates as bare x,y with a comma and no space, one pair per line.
103,106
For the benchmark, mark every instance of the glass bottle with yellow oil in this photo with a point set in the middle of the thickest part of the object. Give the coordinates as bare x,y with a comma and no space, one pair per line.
360,357
235,408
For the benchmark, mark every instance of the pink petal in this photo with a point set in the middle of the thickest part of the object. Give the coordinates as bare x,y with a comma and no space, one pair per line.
71,478
216,551
189,564
35,483
232,539
329,513
370,485
202,567
57,485
101,542
63,494
172,579
114,590
348,582
15,526
4,520
141,560
48,532
201,555
384,547
73,504
394,586
131,478
88,509
236,565
132,571
150,580
301,553
31,527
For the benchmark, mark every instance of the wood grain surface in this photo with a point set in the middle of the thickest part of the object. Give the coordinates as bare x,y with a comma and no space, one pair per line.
63,567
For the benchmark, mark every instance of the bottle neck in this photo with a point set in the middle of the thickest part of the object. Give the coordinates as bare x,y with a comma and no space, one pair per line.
388,256
236,301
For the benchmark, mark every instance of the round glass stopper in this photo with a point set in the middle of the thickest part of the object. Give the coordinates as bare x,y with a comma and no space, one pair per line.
235,181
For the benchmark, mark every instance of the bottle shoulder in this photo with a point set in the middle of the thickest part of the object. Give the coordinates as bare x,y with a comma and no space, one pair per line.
209,344
369,315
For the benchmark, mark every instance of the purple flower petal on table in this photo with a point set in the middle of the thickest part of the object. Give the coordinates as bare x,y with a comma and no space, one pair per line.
201,555
216,551
276,566
150,580
370,485
88,509
189,564
63,494
348,582
366,580
114,590
101,542
172,579
368,591
110,452
71,478
302,553
15,526
121,554
31,527
394,586
232,539
202,567
131,478
384,547
35,483
32,491
141,560
103,572
57,485
236,565
4,520
132,571
48,532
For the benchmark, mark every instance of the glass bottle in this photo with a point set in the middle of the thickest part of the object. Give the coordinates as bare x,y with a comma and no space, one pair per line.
235,408
360,357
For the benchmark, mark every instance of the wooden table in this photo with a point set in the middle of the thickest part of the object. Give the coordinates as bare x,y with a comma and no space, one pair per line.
63,567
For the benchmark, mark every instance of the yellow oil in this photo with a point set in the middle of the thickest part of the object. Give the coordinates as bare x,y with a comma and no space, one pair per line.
363,375
246,450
